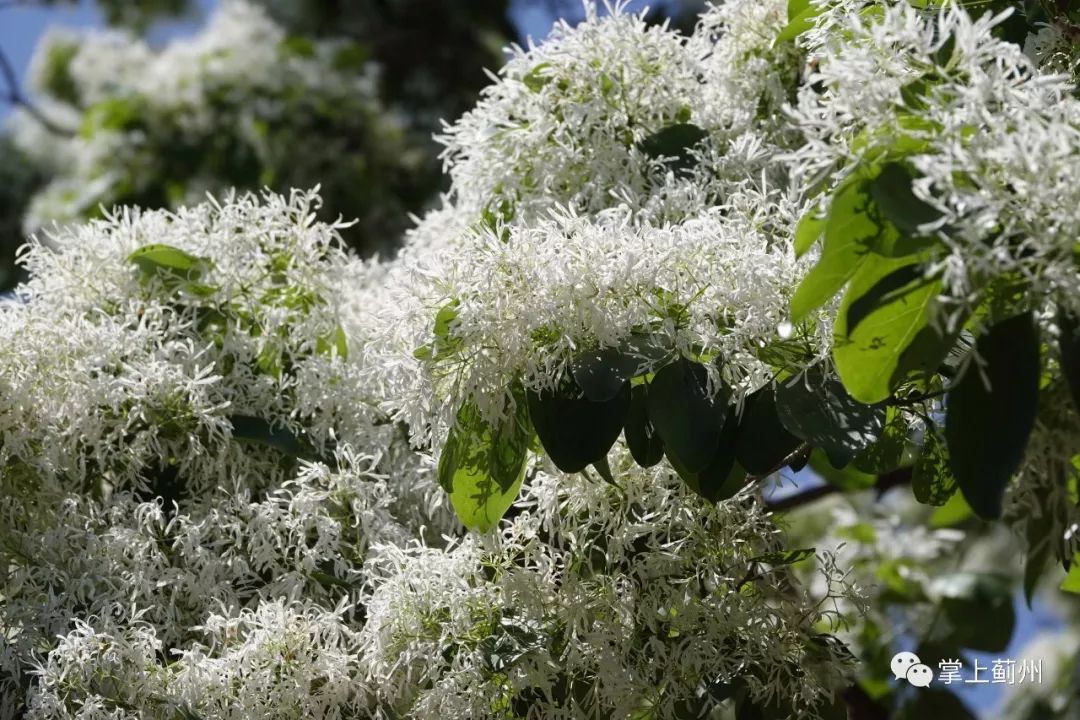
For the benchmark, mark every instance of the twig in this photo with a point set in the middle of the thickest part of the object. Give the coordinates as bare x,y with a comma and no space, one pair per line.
16,97
884,483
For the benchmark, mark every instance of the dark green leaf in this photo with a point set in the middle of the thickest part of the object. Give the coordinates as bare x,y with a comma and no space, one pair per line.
603,469
686,414
932,480
841,475
644,442
674,143
892,449
979,609
601,373
1069,344
788,557
249,429
891,190
762,443
575,431
819,410
1039,537
721,477
987,429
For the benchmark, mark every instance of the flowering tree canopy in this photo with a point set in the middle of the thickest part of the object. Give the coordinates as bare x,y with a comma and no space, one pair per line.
520,469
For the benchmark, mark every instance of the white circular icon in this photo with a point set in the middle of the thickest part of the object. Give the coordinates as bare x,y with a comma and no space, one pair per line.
902,662
920,675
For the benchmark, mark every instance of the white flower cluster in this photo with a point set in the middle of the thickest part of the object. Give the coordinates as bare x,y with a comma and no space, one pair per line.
204,515
598,601
567,229
995,142
210,503
232,106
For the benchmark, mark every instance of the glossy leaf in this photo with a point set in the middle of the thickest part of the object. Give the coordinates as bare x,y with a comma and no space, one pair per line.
820,411
601,373
686,414
891,451
762,442
674,143
249,429
575,431
987,428
849,230
482,467
644,442
808,231
158,259
721,477
896,201
882,333
932,480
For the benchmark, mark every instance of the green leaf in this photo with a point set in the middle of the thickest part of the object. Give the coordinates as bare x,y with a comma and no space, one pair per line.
799,24
1040,541
788,557
846,478
932,481
247,429
536,79
796,8
892,449
686,415
482,467
1069,344
850,229
809,229
1071,583
818,409
158,259
979,609
721,477
575,431
334,342
644,442
445,344
601,373
674,143
952,513
762,443
882,333
892,192
987,429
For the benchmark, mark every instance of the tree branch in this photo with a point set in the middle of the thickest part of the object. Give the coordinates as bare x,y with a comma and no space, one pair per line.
16,97
884,483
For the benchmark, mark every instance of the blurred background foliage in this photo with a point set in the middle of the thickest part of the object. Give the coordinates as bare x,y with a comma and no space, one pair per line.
346,94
